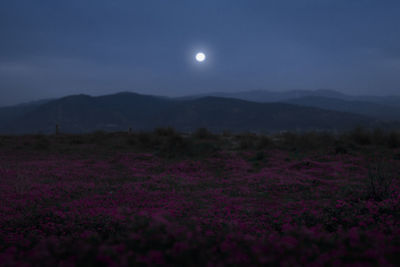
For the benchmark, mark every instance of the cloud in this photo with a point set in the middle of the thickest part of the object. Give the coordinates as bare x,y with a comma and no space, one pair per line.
14,68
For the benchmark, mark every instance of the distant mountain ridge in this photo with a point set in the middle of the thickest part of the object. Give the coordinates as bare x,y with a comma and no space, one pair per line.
272,96
116,112
275,96
385,108
376,110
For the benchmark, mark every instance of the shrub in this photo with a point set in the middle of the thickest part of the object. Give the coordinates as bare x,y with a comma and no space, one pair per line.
393,140
307,140
146,140
259,156
226,133
361,136
263,142
77,140
174,146
378,137
203,133
200,149
131,141
289,138
340,149
42,142
98,137
21,184
380,179
168,131
246,141
327,138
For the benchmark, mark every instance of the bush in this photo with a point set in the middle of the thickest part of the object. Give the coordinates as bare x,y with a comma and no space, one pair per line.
263,142
98,137
307,140
380,179
247,141
146,140
175,146
226,133
340,148
168,131
310,140
289,138
378,137
393,140
131,141
259,156
361,136
42,142
77,140
200,149
203,133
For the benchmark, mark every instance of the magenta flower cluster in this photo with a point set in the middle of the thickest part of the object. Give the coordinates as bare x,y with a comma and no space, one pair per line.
230,209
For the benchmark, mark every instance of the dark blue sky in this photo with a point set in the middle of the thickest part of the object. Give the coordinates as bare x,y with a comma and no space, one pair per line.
51,48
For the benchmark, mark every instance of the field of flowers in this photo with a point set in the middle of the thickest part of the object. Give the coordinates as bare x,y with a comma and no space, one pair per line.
120,207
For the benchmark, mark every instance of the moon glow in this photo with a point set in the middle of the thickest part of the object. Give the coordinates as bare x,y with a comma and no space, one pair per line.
200,57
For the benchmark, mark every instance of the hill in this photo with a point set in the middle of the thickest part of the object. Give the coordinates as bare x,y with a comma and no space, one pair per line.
376,110
272,96
84,113
385,108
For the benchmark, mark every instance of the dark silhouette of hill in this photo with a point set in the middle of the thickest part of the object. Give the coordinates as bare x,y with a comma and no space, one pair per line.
217,114
272,96
10,113
265,96
379,107
83,113
376,110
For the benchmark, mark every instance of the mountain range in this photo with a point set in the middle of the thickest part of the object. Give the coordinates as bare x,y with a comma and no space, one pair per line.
275,96
257,111
385,108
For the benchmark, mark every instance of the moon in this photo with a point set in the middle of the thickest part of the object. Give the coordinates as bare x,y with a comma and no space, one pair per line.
200,57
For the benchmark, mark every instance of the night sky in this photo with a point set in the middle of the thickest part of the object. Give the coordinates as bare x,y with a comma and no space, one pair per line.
52,48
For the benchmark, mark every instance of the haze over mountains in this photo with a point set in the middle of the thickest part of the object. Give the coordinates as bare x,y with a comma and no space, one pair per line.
272,96
259,111
386,108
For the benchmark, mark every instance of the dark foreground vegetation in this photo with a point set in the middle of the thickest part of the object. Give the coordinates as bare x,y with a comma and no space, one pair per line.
119,199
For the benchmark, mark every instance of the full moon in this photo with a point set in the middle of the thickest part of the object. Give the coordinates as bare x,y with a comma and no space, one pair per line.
200,57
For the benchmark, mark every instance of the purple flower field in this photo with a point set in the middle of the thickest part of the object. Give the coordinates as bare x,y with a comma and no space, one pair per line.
233,207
